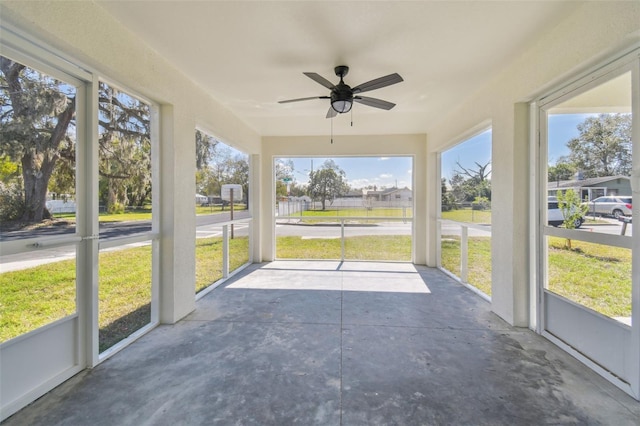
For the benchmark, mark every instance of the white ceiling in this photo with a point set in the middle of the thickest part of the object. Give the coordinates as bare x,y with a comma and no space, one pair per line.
249,55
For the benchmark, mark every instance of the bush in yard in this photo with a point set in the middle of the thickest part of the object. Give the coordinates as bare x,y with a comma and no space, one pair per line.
11,201
572,209
480,203
116,208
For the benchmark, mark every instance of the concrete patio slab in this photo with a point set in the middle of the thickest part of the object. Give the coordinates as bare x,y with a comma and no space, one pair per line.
255,353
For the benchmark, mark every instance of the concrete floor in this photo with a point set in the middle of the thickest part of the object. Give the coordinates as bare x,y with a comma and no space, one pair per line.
337,344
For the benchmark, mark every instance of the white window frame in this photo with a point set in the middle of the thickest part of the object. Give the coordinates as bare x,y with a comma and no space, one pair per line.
628,61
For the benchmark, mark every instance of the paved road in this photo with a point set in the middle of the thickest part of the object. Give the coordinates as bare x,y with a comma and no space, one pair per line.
612,226
209,226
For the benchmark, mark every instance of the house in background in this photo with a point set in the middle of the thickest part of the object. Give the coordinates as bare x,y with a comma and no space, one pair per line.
388,194
201,199
592,188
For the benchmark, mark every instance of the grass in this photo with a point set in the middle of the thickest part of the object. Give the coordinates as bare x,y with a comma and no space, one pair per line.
596,276
382,212
297,248
332,215
37,296
218,209
124,293
209,259
34,297
478,260
593,275
144,214
468,215
383,247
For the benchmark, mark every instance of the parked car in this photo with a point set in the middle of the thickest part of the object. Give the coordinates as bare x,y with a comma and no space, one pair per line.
617,206
555,216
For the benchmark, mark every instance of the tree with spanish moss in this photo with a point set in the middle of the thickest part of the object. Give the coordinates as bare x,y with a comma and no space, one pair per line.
36,130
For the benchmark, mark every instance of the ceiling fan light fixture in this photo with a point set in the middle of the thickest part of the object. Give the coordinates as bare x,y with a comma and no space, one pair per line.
341,106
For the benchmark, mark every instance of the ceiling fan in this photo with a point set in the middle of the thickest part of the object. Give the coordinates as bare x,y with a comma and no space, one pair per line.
343,96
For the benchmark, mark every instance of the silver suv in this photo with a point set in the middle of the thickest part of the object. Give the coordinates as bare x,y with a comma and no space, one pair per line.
617,206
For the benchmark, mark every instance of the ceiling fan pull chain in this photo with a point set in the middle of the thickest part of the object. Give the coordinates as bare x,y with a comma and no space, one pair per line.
331,130
351,117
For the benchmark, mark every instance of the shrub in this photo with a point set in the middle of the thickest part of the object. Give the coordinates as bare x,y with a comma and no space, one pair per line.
116,208
480,203
11,201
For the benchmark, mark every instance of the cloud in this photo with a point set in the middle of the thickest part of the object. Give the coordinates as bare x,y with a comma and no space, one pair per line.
361,183
386,176
383,158
409,171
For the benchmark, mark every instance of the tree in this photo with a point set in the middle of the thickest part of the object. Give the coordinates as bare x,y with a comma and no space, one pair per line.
36,113
205,149
238,172
218,164
562,170
206,181
447,200
468,183
125,149
37,131
603,147
327,183
572,210
283,170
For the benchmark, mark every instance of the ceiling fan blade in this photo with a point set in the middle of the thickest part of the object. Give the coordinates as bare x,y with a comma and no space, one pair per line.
378,83
320,79
373,102
303,99
331,113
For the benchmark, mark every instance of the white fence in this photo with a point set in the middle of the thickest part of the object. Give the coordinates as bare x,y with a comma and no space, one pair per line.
61,206
291,207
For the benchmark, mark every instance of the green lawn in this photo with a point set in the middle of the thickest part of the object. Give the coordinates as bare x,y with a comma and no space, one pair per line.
478,260
383,247
145,214
37,296
468,215
209,259
124,293
596,276
381,212
592,275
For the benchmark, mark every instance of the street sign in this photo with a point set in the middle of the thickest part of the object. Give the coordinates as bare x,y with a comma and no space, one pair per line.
226,192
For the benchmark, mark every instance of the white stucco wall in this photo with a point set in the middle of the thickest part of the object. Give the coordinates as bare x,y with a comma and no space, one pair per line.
378,145
89,36
590,34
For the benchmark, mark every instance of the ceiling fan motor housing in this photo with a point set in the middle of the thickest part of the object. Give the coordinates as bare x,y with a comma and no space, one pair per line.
341,98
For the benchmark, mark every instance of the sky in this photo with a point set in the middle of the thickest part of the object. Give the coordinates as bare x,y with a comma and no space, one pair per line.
361,171
562,128
397,171
474,150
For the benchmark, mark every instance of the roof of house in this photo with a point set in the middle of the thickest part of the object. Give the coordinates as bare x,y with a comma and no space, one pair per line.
583,182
